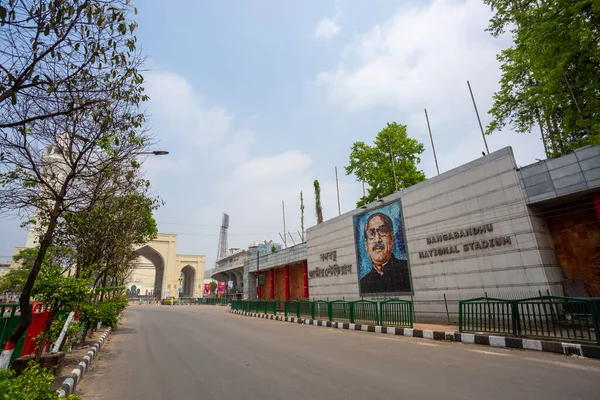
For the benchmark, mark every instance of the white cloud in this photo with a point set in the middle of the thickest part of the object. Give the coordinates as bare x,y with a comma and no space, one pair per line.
237,148
176,109
421,58
273,168
253,194
423,54
326,29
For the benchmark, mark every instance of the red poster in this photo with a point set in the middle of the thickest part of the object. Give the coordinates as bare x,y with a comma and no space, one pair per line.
221,287
207,288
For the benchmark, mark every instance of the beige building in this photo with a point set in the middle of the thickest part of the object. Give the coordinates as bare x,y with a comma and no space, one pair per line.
161,272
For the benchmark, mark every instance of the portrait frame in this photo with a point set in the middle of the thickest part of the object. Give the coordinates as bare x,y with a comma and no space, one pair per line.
364,264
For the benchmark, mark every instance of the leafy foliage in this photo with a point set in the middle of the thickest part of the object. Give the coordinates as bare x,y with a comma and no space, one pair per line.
71,121
57,290
551,74
318,207
375,162
33,384
65,57
14,280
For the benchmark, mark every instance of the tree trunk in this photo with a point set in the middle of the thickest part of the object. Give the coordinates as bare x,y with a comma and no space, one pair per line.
103,286
24,301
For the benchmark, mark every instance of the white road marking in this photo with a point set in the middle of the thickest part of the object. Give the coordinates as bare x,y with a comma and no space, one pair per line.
493,353
400,340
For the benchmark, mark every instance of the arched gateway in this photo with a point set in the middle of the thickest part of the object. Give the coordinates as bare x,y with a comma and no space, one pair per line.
162,273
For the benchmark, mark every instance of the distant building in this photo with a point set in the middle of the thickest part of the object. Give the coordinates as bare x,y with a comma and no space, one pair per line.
230,269
4,267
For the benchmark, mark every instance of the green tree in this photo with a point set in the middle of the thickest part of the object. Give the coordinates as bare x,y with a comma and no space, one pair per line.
379,170
70,95
213,287
56,290
318,207
550,75
14,280
103,236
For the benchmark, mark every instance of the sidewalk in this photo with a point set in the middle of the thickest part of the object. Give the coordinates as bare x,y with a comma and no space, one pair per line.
448,333
436,327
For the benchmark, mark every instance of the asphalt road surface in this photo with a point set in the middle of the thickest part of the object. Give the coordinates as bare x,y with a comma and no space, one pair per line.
204,352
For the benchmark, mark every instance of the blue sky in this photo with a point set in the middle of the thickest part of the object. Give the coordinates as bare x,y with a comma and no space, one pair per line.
255,99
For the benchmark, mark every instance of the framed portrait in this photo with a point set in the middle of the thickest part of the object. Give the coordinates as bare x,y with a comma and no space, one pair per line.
381,254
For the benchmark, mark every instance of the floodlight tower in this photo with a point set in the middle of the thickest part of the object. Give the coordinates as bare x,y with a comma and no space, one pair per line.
222,248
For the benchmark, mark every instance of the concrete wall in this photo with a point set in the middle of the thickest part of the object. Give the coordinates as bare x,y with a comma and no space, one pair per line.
249,283
287,256
484,191
549,179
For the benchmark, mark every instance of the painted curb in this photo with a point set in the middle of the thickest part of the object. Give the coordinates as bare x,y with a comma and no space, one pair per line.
566,348
69,384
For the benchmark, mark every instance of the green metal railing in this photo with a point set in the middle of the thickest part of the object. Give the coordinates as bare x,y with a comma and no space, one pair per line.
213,300
321,310
364,312
542,317
339,310
396,312
487,314
393,312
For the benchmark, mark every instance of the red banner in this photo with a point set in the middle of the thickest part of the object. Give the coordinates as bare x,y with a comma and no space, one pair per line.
206,288
221,286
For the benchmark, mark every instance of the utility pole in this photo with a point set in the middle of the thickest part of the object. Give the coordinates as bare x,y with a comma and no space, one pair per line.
283,208
432,145
337,187
478,119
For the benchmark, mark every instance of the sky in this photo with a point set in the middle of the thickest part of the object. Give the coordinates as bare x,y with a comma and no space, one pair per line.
255,99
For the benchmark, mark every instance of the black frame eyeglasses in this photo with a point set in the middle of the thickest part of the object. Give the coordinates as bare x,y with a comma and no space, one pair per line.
382,231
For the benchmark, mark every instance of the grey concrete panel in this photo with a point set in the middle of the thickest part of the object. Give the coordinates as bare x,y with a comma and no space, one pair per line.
593,183
567,181
545,187
537,179
572,189
587,152
592,174
561,161
533,169
565,171
590,163
541,197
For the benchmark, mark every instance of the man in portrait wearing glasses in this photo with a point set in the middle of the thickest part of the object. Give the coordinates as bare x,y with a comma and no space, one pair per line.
389,274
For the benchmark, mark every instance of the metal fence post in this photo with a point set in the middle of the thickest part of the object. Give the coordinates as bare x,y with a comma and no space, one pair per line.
460,315
515,317
596,318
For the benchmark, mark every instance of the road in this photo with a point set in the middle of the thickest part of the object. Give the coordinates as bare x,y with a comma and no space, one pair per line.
204,352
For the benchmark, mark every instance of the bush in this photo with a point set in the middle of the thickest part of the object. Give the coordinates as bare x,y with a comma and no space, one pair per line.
33,384
107,311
